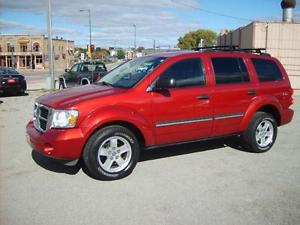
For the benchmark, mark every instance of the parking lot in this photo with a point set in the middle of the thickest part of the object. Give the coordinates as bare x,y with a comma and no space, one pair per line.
203,183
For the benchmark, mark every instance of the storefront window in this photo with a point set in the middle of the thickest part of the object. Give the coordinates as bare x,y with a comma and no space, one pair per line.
39,59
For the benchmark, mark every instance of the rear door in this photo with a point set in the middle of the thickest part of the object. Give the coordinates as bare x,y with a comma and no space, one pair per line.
234,91
184,112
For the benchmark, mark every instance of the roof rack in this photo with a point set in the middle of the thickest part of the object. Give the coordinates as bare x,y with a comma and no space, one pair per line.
234,48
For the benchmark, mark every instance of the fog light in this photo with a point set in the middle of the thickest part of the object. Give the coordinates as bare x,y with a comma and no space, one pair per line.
48,149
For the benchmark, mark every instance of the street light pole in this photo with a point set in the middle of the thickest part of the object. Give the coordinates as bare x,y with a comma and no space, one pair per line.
134,36
90,27
50,47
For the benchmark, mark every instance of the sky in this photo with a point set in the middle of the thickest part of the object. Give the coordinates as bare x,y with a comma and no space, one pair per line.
112,20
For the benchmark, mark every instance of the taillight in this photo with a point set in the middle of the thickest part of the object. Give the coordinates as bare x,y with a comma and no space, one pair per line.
291,99
98,78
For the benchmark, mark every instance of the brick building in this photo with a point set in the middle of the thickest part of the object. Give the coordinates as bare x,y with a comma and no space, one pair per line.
31,52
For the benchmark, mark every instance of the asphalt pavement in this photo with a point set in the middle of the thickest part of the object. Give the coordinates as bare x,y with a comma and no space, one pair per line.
204,183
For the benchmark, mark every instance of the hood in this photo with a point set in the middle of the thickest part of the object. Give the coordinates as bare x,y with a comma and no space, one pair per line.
69,97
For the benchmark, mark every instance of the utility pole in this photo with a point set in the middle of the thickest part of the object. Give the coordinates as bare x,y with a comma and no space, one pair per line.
134,36
90,27
50,48
154,45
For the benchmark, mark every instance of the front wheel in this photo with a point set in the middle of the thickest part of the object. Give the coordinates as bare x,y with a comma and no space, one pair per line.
261,133
111,153
61,86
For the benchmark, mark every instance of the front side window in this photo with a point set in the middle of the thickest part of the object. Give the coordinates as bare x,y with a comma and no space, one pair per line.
230,70
186,73
131,72
266,70
75,68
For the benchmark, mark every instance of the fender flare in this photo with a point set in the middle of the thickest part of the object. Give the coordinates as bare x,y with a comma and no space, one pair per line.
258,103
114,115
85,79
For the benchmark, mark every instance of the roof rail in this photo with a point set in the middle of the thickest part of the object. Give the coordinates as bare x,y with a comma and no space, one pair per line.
234,48
218,47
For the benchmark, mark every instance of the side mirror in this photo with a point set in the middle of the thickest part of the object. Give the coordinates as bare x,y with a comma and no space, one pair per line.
163,84
66,70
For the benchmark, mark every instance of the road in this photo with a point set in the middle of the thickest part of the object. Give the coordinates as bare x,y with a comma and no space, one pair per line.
204,183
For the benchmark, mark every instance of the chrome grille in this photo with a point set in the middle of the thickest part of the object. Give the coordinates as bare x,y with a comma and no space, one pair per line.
41,117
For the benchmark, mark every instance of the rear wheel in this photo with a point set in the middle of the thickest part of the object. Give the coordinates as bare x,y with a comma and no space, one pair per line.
111,153
261,133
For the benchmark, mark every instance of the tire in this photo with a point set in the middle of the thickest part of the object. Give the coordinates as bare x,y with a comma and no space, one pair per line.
111,153
261,133
61,86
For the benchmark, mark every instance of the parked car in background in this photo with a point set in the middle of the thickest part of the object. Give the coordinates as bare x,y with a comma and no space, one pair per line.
11,82
82,73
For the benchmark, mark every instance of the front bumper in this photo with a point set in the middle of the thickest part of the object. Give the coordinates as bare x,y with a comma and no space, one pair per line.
66,144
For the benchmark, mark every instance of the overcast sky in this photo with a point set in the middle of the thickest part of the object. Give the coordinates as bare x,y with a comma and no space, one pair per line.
112,20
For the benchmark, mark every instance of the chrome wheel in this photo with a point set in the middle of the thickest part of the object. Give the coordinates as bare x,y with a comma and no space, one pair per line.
264,133
114,154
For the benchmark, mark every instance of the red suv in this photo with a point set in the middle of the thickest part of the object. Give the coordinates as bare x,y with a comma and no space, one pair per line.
160,100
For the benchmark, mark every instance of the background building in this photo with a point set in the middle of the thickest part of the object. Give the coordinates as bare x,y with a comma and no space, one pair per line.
281,40
31,52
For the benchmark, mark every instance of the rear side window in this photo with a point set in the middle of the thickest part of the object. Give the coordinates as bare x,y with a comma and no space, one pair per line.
188,72
266,70
229,70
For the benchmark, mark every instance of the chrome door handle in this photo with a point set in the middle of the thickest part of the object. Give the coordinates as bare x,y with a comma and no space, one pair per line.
252,92
203,97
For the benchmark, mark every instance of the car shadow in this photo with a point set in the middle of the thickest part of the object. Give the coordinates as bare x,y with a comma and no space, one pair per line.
54,165
146,155
8,95
182,149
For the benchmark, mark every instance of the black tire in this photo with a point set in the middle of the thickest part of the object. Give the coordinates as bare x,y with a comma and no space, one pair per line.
61,86
260,120
93,163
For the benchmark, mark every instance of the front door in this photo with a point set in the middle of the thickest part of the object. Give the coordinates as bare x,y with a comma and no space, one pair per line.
72,76
183,112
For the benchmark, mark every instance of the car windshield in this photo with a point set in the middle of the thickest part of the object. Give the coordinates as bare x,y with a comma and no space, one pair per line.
131,72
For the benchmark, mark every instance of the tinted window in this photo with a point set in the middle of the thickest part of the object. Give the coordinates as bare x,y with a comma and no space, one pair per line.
75,68
230,70
187,72
266,70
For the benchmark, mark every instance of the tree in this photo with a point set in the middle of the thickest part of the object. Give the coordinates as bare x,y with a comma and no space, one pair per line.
192,39
120,54
140,49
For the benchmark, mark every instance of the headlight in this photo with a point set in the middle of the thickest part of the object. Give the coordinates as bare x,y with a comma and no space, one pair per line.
64,118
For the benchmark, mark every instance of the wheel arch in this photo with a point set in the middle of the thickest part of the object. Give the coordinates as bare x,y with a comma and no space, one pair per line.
271,109
130,126
268,104
84,81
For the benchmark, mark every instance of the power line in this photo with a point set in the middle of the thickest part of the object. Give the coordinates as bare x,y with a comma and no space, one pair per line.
211,12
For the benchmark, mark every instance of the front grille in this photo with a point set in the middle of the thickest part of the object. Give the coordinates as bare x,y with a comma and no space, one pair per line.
44,112
41,117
